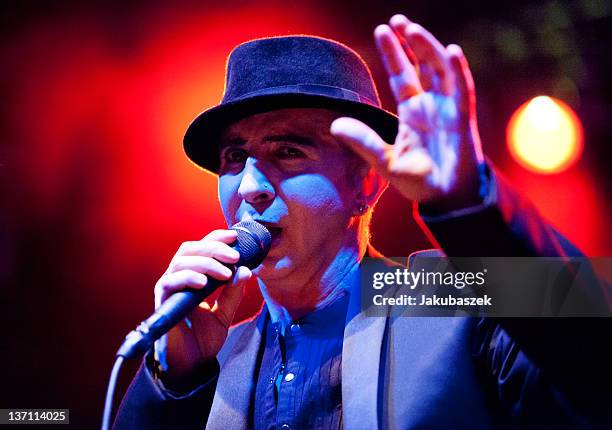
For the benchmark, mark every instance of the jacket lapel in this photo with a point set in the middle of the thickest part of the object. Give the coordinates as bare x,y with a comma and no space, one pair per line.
236,383
361,353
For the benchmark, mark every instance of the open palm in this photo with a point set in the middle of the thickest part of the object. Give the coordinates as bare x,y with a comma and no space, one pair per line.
437,152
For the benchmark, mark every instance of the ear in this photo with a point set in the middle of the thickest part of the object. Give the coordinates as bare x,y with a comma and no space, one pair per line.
372,186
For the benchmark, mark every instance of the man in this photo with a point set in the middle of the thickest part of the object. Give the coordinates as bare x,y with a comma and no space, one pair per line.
301,144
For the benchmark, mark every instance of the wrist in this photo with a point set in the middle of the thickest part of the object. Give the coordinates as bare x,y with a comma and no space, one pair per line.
472,193
182,380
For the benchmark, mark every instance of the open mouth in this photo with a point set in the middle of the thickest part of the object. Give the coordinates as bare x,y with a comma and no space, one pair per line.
276,233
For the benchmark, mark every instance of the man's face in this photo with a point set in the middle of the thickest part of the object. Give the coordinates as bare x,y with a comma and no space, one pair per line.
284,169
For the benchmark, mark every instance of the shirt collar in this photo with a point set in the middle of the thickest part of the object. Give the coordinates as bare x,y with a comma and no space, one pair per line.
332,314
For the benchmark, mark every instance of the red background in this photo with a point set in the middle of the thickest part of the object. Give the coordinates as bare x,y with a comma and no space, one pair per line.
97,193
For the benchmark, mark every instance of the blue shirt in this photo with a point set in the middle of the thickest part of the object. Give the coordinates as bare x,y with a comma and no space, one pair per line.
299,380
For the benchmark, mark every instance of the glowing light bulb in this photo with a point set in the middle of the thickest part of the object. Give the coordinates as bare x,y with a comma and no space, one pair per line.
544,135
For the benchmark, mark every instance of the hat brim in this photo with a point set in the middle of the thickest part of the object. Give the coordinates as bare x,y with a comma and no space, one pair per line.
201,141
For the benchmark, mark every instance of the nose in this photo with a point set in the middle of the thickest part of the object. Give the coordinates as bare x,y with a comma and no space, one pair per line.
255,188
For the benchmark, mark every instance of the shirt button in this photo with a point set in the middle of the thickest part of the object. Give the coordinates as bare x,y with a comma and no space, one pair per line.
289,377
295,328
285,427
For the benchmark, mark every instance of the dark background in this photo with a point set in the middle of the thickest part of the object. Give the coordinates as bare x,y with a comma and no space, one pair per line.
97,194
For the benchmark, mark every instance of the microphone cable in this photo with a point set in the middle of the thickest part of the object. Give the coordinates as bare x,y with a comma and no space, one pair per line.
253,243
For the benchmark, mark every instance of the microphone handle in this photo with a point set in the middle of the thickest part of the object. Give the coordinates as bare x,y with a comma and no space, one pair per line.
170,313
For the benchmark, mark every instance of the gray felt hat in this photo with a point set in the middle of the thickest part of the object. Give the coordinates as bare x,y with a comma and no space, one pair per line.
284,72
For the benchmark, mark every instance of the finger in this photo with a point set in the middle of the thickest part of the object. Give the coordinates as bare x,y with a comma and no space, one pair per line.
362,140
464,82
205,265
465,94
434,67
231,295
225,236
403,77
210,248
176,281
398,23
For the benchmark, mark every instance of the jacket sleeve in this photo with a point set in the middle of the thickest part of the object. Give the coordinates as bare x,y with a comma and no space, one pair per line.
572,353
147,404
504,225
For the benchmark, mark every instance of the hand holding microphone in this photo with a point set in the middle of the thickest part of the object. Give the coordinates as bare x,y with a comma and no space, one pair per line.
197,269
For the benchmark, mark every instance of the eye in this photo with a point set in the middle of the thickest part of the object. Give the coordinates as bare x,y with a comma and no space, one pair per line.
289,152
235,155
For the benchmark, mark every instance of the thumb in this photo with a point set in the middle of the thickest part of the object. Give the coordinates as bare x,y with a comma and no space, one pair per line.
231,296
361,139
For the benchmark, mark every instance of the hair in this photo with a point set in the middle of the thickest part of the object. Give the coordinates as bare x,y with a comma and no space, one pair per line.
356,169
364,226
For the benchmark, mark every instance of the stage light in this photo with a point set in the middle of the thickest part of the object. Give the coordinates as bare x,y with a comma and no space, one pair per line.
544,135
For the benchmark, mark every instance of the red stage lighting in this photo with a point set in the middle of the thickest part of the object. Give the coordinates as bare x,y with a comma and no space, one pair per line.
544,135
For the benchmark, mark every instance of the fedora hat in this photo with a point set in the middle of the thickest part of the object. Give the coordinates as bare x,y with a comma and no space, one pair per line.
288,72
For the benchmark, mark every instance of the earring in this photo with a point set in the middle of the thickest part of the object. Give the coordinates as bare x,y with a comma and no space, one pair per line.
363,208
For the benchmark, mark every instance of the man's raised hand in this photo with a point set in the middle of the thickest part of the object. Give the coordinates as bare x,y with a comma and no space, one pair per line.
437,151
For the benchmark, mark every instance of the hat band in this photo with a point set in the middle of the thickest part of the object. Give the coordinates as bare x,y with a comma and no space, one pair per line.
311,89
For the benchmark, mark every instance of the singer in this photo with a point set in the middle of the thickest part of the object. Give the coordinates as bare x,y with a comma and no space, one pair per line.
301,144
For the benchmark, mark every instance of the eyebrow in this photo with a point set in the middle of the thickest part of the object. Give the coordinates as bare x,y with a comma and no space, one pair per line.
293,138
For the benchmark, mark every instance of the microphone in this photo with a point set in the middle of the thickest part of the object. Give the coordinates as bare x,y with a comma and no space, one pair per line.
253,244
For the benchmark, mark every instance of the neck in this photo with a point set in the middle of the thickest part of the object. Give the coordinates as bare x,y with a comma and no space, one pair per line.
289,300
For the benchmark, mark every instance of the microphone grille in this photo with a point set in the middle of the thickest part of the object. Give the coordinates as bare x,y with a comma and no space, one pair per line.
253,243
